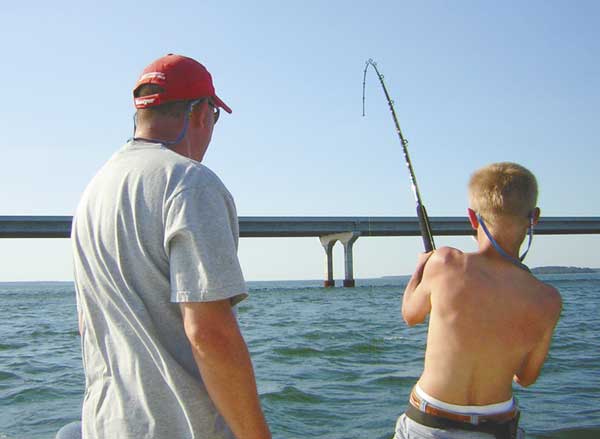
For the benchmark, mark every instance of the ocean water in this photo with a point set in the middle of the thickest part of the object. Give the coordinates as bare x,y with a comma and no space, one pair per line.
330,363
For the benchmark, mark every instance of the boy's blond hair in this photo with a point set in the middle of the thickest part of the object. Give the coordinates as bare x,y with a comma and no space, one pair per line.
503,190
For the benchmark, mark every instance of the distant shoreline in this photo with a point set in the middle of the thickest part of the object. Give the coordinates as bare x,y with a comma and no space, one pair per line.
550,269
555,269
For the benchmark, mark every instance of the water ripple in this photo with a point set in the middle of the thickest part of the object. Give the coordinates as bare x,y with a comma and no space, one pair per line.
292,394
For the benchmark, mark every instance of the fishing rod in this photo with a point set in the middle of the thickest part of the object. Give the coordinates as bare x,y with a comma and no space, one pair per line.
424,224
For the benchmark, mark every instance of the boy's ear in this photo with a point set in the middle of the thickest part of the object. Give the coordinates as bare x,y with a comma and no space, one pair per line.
536,215
473,218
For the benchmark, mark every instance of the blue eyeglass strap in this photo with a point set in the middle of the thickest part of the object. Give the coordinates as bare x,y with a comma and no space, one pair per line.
179,138
530,233
517,262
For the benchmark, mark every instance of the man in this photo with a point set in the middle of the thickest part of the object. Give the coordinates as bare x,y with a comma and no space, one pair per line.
490,319
157,275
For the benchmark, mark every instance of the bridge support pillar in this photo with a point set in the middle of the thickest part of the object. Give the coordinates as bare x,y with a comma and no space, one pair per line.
328,247
328,241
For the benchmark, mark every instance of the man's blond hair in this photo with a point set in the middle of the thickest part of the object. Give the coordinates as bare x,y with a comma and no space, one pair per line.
503,190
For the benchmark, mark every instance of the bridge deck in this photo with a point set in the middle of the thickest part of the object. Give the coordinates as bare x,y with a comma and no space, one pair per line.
270,227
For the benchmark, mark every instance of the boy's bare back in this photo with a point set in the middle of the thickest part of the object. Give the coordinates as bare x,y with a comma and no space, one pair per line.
490,322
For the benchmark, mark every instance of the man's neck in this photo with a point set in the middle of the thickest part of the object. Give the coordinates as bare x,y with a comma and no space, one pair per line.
184,147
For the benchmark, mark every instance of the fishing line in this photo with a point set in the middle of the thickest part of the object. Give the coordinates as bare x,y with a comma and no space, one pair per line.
424,224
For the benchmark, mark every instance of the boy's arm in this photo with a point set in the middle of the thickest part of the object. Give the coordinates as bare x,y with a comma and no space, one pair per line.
416,303
532,366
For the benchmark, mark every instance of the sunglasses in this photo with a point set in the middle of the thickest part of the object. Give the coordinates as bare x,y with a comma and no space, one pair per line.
216,110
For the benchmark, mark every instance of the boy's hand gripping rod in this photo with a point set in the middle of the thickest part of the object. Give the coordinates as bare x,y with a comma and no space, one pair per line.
421,212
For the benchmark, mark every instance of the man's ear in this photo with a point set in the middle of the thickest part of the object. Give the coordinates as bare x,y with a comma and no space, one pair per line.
198,115
536,215
473,218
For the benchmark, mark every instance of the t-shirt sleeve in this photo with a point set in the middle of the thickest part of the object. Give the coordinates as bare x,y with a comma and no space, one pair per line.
201,237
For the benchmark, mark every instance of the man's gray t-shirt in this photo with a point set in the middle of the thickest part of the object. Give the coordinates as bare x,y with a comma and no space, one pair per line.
153,229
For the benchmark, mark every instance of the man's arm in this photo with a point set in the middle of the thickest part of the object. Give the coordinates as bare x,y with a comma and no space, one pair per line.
532,365
224,363
416,303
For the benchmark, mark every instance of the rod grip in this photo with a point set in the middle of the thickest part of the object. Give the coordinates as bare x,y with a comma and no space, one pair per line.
425,228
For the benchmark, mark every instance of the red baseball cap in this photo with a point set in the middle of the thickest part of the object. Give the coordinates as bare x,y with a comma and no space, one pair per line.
181,78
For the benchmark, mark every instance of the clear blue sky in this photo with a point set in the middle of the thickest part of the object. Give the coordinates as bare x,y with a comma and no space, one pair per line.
473,82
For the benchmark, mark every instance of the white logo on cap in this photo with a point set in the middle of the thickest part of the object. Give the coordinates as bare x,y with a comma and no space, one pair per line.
144,101
152,75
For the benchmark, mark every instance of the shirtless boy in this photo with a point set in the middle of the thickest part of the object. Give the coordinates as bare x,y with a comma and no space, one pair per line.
491,321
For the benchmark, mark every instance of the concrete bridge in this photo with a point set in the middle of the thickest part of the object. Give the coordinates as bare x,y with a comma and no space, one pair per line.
329,230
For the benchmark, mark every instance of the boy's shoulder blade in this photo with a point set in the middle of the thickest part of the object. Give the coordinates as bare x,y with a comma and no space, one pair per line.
447,255
552,298
448,252
444,258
